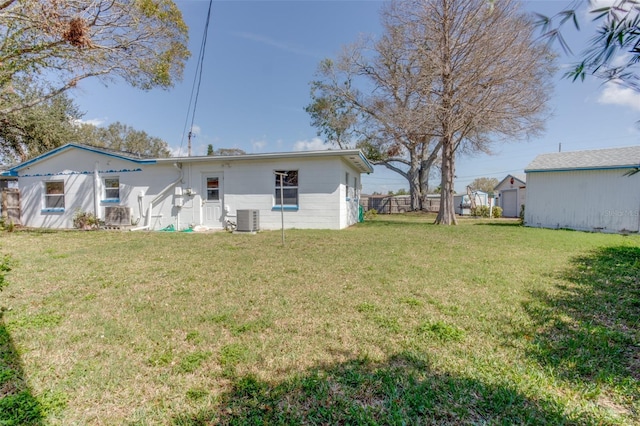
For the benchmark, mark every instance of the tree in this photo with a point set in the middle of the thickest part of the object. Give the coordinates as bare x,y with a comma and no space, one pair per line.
228,151
484,184
120,137
448,76
54,44
389,120
489,78
209,150
614,52
28,132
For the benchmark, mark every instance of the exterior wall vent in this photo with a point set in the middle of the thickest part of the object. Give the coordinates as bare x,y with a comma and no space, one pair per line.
117,216
248,220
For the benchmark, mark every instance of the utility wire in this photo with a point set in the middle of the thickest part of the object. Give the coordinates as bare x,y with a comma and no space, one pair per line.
195,88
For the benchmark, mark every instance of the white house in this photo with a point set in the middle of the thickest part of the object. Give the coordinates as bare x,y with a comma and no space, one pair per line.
585,190
511,192
319,189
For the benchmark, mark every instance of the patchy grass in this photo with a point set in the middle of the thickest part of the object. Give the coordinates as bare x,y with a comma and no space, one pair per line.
392,321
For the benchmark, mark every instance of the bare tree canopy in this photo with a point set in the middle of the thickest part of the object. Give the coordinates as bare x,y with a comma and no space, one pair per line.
54,44
120,137
447,76
484,184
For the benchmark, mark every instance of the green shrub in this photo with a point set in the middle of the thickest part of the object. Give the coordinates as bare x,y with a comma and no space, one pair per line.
370,214
497,212
85,220
521,214
480,211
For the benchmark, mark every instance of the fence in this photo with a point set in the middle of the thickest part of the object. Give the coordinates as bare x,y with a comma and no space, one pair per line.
390,204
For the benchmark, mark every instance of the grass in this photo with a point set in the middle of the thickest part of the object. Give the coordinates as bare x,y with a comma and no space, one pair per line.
393,321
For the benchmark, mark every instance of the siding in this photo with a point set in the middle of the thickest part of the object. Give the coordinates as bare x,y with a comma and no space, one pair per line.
598,200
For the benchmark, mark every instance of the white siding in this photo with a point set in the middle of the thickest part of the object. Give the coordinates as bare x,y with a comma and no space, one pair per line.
603,200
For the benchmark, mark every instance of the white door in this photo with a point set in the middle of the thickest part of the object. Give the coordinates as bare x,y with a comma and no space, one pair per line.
510,203
212,200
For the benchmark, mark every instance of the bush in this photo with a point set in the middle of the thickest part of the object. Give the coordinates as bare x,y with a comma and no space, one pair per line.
85,220
480,211
522,214
497,212
370,214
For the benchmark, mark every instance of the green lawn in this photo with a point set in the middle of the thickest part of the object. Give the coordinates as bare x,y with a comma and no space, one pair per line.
393,321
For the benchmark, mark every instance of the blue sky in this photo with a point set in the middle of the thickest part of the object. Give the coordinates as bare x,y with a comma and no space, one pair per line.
261,56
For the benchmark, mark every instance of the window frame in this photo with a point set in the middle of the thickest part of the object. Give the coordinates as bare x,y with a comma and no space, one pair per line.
47,196
106,198
287,186
215,190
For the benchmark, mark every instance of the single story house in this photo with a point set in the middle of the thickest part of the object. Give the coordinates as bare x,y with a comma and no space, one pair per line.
312,189
585,190
511,192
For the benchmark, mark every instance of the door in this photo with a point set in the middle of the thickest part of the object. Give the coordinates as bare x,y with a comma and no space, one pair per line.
510,203
212,200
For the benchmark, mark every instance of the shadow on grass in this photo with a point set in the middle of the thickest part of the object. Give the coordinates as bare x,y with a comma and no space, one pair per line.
501,222
402,390
17,404
588,330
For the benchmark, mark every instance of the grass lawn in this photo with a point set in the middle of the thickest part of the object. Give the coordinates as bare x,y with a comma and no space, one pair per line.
393,321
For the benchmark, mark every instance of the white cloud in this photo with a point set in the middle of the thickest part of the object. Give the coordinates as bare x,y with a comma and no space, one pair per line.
315,144
93,121
258,146
287,47
615,94
196,130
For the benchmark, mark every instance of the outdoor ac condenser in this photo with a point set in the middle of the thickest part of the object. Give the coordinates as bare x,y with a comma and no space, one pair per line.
248,220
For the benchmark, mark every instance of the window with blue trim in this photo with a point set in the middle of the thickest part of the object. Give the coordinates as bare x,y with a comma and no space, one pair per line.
286,188
54,195
112,189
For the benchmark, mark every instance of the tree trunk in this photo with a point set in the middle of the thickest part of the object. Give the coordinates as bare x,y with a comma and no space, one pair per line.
447,213
414,175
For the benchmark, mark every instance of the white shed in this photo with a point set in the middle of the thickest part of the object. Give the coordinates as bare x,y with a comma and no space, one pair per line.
320,190
511,192
585,190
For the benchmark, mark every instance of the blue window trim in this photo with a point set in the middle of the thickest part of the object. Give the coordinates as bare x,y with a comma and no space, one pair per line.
285,208
110,200
52,210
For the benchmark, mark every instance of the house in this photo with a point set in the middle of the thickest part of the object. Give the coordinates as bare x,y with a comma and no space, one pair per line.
311,189
585,190
511,192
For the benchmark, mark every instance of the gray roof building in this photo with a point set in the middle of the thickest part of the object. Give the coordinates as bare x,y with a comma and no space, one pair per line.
610,158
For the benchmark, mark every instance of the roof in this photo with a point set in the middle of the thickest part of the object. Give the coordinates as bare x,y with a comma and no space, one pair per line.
353,156
522,177
597,159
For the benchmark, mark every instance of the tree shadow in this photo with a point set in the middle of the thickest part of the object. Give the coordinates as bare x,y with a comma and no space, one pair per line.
17,404
587,331
404,389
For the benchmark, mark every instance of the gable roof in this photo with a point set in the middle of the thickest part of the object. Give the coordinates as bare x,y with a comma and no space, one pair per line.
522,177
353,156
13,171
596,159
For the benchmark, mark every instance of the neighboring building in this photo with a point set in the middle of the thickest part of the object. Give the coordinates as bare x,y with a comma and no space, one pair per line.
320,189
512,192
585,190
462,202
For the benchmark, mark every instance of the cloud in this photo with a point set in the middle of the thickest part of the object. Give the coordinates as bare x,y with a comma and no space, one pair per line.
93,121
615,94
196,130
298,50
258,146
315,144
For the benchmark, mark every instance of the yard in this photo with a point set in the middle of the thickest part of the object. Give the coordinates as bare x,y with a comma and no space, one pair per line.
393,321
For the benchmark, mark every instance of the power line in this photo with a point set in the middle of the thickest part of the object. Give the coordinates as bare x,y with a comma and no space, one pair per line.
195,88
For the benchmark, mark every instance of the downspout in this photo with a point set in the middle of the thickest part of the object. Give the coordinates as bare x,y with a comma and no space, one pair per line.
158,197
96,191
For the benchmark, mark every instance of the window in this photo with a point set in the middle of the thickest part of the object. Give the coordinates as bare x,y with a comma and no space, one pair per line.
213,189
112,189
54,195
289,187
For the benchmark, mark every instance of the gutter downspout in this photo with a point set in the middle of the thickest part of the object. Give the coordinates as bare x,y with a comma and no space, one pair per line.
159,197
96,191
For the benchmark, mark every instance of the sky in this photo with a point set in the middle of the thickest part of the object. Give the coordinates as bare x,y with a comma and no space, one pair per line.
261,56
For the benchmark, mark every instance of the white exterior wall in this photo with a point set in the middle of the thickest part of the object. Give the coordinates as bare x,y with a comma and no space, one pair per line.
178,190
521,196
597,200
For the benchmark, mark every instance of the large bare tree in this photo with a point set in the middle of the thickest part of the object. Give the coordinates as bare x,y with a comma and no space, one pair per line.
447,76
490,81
54,44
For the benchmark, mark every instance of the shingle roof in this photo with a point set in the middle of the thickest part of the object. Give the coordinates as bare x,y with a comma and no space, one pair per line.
611,158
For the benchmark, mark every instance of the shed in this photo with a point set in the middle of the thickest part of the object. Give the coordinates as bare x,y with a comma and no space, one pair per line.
585,190
320,189
462,202
511,192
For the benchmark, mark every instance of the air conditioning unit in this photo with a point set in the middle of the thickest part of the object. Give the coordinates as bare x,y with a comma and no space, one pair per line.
248,220
117,216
